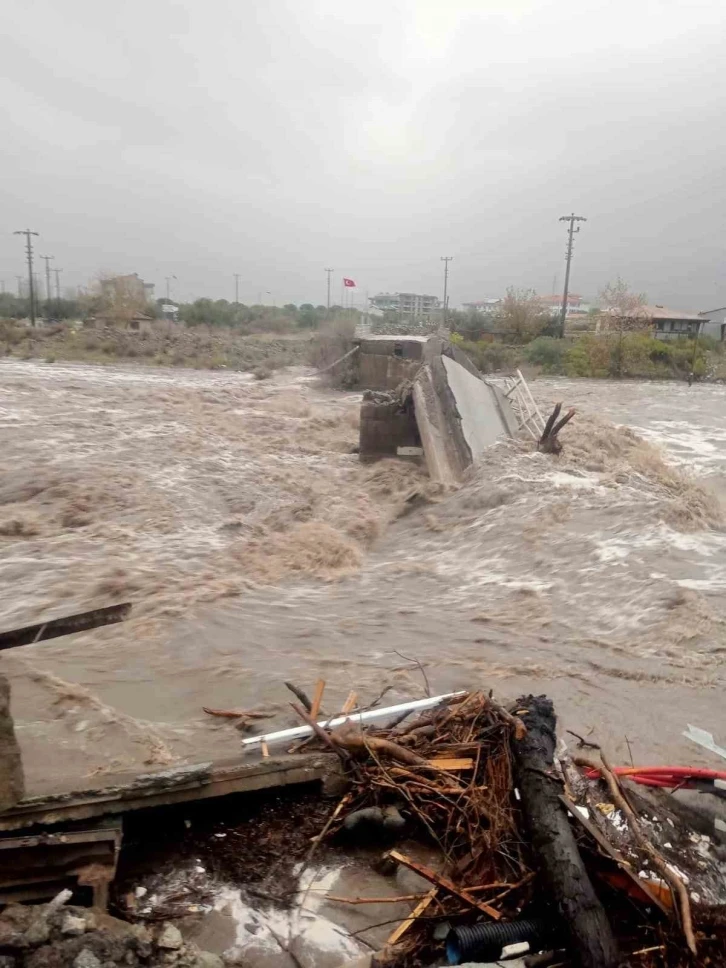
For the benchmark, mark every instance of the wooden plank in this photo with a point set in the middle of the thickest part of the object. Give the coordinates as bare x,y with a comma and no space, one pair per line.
403,927
451,763
69,624
444,883
111,834
349,704
317,698
36,867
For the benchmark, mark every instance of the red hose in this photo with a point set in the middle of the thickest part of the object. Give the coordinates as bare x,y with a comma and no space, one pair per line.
663,776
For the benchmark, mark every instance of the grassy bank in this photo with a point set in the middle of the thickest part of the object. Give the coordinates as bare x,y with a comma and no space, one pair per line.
198,348
630,355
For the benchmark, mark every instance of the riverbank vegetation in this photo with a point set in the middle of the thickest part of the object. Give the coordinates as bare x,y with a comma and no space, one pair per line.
200,347
611,355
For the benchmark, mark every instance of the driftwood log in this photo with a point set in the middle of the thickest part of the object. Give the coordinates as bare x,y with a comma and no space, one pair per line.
589,934
549,442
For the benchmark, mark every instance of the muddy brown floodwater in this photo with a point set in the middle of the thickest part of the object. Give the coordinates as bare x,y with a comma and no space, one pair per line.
256,548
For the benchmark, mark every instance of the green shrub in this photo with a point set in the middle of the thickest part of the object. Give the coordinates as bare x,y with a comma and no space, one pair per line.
599,354
490,357
547,353
577,361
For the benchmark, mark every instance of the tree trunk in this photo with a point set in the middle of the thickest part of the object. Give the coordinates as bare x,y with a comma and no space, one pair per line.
590,936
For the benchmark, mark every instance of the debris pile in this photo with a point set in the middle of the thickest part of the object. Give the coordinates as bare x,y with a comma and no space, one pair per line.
450,773
54,935
519,861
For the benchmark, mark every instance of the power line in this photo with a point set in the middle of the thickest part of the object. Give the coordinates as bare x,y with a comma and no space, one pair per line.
29,254
48,259
446,259
570,232
329,271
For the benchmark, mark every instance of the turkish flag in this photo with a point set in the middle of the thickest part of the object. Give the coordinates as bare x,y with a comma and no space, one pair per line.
348,283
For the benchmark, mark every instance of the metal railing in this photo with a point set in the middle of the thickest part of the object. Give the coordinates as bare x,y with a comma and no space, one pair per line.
524,405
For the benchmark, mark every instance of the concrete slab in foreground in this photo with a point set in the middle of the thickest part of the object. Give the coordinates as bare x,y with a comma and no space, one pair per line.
201,781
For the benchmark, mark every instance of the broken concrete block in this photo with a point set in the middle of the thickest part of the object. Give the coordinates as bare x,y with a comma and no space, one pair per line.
11,936
86,959
205,959
170,938
58,901
73,926
38,932
384,361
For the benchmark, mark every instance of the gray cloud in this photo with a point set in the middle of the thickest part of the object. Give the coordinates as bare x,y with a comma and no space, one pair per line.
275,138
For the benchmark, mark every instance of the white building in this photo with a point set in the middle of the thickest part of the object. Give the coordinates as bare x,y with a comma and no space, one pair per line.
714,323
412,304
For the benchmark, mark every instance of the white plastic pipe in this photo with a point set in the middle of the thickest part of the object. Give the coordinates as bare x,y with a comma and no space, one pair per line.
300,732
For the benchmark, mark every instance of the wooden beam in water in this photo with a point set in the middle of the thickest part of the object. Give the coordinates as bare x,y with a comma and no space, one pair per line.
80,622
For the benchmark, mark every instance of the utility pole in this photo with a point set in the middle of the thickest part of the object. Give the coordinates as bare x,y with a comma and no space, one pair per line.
236,288
168,280
47,259
57,291
446,259
20,286
329,272
31,283
570,232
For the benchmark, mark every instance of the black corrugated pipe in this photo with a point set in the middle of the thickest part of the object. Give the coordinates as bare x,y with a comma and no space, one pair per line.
485,941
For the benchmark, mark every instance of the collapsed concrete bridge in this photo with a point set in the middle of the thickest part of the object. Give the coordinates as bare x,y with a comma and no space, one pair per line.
424,397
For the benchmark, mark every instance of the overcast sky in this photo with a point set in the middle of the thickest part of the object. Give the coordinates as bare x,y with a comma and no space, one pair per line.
273,138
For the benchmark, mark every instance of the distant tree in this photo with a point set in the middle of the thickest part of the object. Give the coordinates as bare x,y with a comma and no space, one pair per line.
620,302
13,307
472,325
120,298
308,317
623,312
522,316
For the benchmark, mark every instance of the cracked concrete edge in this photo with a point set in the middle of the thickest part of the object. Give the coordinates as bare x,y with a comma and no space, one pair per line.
12,781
